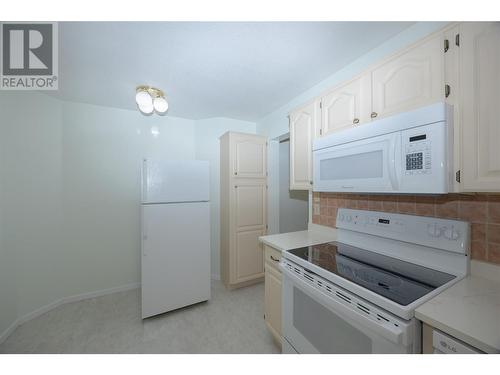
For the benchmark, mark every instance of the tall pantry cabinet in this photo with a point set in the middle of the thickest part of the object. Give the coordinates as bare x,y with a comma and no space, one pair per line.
243,197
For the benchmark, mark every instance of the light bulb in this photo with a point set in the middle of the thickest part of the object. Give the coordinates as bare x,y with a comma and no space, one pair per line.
160,104
147,108
143,98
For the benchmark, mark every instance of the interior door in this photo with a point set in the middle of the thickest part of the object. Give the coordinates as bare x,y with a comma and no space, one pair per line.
480,83
249,156
250,223
304,126
175,263
346,106
410,80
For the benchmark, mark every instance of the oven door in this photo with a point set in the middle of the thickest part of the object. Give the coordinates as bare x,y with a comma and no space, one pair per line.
368,165
315,323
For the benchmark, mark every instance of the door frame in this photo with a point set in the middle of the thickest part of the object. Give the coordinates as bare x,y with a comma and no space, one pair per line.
273,180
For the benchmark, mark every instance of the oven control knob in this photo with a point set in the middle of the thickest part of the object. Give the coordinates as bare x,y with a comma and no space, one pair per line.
348,219
451,233
433,230
341,217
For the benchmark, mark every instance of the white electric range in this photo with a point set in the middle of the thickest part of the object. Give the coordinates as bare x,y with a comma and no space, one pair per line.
359,293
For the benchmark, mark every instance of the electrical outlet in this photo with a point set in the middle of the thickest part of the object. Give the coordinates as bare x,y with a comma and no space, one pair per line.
316,209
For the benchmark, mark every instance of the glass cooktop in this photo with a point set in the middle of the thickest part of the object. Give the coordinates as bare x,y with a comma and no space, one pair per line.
397,280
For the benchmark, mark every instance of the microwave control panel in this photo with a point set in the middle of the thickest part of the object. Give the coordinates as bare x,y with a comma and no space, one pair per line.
418,155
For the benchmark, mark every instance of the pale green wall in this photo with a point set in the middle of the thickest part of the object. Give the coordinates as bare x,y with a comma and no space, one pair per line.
31,181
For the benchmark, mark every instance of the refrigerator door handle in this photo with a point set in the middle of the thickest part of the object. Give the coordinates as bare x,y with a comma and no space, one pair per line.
144,178
144,236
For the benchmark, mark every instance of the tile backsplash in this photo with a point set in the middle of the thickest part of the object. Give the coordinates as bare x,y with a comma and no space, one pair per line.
481,210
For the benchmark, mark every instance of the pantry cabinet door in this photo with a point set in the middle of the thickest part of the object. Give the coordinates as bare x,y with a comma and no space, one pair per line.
480,102
304,127
346,106
249,156
249,220
410,80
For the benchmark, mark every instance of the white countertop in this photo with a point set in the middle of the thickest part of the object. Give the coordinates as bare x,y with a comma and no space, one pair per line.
469,311
292,240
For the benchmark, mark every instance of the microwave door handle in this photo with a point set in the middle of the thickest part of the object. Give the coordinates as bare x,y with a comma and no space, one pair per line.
394,145
393,334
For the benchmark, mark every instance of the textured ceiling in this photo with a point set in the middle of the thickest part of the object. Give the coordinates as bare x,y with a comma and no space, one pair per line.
208,69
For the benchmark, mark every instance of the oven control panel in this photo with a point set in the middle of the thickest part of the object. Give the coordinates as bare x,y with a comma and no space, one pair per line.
451,235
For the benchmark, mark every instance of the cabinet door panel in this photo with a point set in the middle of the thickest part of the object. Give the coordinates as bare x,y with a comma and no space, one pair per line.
249,222
480,77
250,157
250,205
249,255
345,106
273,301
303,126
410,80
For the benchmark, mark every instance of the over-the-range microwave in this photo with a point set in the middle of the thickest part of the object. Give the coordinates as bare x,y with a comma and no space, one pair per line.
411,152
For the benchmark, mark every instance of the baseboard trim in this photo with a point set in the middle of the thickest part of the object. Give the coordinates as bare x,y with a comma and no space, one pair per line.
75,298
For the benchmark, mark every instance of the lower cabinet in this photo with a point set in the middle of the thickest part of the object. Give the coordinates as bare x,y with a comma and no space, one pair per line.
272,299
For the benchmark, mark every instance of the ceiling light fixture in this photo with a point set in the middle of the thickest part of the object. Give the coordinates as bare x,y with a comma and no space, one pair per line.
150,99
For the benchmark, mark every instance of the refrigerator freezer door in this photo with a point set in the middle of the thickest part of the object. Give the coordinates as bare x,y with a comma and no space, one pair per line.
175,256
175,181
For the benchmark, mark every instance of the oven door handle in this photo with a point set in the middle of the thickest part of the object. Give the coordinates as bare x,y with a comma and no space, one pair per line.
393,334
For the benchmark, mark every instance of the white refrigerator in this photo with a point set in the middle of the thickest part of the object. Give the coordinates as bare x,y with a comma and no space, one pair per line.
175,214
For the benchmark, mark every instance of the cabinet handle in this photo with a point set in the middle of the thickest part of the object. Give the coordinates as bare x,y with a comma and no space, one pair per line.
374,114
355,121
447,90
311,182
273,258
235,173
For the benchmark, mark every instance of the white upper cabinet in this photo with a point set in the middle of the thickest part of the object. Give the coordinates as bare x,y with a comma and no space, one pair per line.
249,156
304,126
480,103
409,80
346,105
